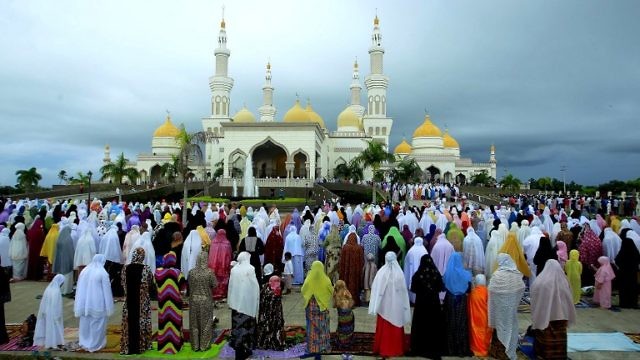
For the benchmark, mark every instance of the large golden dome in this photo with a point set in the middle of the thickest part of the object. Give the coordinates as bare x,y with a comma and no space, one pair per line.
348,118
403,148
449,142
296,114
427,129
244,116
167,129
313,116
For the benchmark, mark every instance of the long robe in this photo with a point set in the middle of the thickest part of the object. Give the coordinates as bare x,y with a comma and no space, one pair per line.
201,283
428,320
35,237
136,311
49,331
169,281
270,320
479,330
351,265
627,261
273,249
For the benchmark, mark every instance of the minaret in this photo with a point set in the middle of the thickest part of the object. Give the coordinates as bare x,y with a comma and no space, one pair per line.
355,92
492,161
376,123
267,110
107,154
221,84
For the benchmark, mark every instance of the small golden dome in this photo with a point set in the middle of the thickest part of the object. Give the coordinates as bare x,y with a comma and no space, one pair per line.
493,148
296,114
449,142
244,116
376,21
403,148
313,116
222,24
427,129
167,129
269,65
348,118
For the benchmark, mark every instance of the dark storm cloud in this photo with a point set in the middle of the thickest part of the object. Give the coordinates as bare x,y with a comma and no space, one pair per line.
549,83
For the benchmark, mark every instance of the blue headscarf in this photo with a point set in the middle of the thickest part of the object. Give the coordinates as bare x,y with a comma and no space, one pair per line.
456,278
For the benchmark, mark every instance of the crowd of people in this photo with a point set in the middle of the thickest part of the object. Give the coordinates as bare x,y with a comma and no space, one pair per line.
463,270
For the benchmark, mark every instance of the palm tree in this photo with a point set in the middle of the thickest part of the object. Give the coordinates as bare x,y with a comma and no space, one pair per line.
169,170
482,178
79,179
545,182
118,170
406,170
373,156
190,152
62,175
28,179
511,182
349,171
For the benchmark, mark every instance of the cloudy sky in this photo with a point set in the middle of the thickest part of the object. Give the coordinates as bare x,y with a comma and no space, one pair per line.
551,83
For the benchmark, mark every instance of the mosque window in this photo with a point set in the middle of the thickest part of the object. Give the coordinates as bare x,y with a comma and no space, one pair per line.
377,130
384,131
370,130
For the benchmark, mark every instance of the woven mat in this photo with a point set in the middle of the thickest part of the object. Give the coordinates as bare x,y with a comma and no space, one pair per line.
13,330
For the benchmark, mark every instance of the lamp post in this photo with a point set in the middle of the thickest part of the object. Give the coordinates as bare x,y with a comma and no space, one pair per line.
563,169
89,174
306,193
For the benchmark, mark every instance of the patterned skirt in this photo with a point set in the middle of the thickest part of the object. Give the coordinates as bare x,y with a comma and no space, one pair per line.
551,343
243,333
318,331
346,325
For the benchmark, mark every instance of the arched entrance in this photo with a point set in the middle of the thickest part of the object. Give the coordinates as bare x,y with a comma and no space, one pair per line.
300,166
269,161
461,179
156,174
448,177
236,165
432,173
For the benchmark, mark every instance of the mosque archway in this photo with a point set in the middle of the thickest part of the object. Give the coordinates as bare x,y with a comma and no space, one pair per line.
300,165
448,177
155,174
432,173
237,161
461,179
269,160
142,177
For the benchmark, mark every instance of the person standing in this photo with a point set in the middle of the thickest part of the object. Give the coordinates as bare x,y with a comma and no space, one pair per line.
627,261
49,331
343,301
428,320
35,237
19,253
271,320
201,283
244,301
293,245
93,304
351,266
253,245
479,330
5,297
170,282
604,276
220,256
390,303
136,280
573,268
317,292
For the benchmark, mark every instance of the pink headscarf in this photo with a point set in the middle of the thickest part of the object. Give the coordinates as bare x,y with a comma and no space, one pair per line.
605,272
551,297
562,252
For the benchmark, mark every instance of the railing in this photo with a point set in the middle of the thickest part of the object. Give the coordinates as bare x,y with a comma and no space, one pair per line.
270,183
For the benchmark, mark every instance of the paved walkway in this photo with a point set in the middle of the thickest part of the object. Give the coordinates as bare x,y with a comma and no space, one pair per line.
24,302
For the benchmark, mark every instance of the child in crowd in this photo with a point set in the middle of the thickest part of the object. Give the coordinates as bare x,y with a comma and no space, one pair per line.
287,274
604,275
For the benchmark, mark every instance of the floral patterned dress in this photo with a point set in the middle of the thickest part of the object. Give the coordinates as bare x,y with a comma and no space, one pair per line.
136,280
270,320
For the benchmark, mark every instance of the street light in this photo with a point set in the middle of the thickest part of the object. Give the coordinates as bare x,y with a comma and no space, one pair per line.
563,169
306,193
89,174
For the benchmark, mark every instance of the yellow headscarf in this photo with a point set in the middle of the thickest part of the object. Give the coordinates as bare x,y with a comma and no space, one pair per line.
243,211
166,218
513,249
206,242
615,223
318,286
573,268
49,246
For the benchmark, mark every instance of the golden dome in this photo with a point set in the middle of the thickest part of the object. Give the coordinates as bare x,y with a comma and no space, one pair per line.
313,116
449,142
427,129
167,129
348,118
244,116
403,148
296,114
376,21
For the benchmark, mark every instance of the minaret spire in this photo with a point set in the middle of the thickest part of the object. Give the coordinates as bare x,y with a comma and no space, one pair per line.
221,84
356,89
267,110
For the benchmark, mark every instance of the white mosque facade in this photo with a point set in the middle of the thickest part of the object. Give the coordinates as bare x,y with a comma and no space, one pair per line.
300,149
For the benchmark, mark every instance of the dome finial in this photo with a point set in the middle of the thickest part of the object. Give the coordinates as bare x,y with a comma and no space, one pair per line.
222,23
168,115
376,21
355,64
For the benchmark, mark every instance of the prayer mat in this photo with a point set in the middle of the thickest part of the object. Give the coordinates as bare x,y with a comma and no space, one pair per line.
223,336
114,333
296,351
615,341
185,353
361,344
634,336
294,335
13,330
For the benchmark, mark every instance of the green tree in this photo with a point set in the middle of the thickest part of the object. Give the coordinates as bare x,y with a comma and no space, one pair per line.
118,170
349,171
406,170
482,178
545,183
511,183
79,179
62,175
169,170
28,179
373,157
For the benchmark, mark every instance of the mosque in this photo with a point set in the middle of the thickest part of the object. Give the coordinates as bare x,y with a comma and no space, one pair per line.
300,149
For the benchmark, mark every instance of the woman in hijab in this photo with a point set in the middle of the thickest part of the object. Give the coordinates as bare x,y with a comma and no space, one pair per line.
604,276
253,245
244,301
371,242
85,251
551,311
427,337
19,253
544,253
310,245
343,301
505,291
627,261
170,283
63,260
273,249
322,237
317,292
271,319
513,249
390,303
561,252
394,242
412,263
573,268
473,252
201,283
351,266
455,236
136,311
35,237
590,249
5,297
479,330
219,261
93,304
49,332
457,281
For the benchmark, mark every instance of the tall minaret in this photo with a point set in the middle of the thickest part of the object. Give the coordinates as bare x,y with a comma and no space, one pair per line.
221,83
376,123
492,161
355,92
267,110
